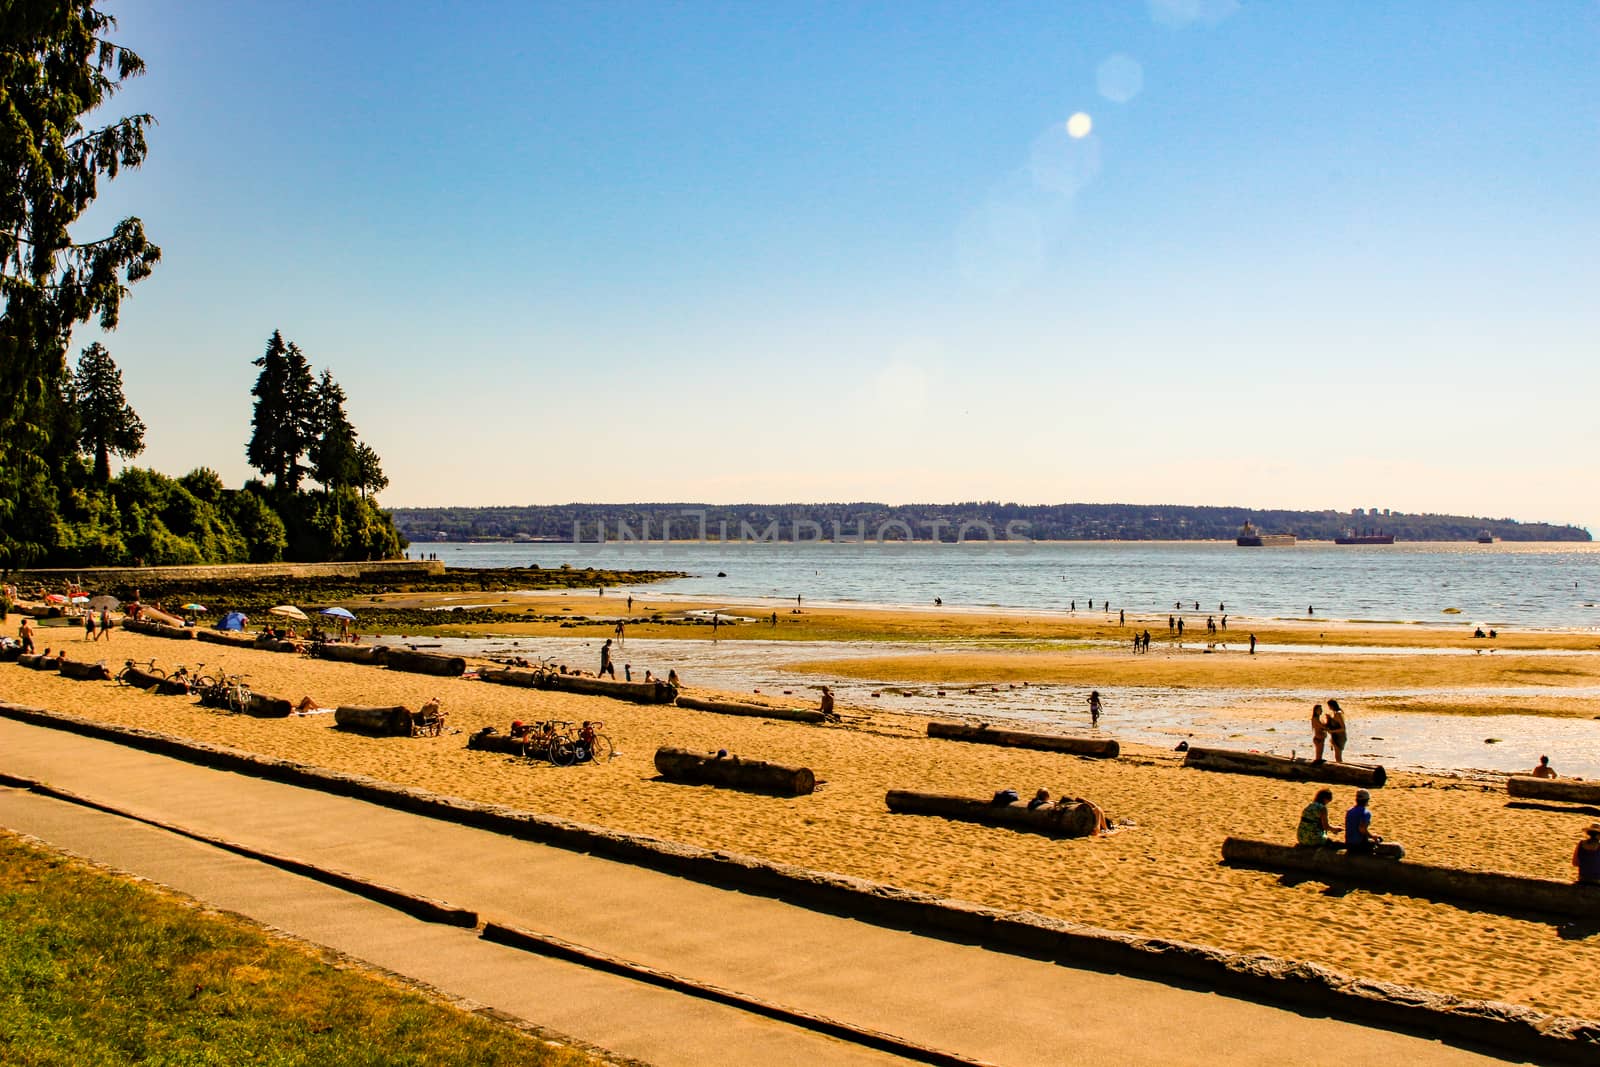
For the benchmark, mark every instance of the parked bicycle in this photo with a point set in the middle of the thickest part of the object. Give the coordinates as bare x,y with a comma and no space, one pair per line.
592,746
228,693
548,740
197,680
140,666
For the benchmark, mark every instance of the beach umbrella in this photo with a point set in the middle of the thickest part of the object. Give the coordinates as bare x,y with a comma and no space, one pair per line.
54,598
338,613
197,608
106,601
288,611
80,599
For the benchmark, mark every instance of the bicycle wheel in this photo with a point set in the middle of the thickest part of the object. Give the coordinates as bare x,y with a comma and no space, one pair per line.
202,681
601,750
561,752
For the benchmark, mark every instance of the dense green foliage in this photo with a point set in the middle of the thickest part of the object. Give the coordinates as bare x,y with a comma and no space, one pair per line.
1051,522
97,969
56,67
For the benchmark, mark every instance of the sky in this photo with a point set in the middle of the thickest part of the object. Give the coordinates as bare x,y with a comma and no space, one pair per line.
1299,255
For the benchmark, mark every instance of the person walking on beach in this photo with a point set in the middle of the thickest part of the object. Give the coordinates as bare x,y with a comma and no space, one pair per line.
1180,629
1337,731
1252,644
1314,831
1171,625
716,621
1586,857
1147,640
25,631
605,661
1224,622
1122,618
630,601
1094,708
88,626
105,625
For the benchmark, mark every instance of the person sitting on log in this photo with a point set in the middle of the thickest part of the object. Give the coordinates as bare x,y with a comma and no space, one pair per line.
1586,857
1040,799
1544,770
672,678
1314,830
1358,835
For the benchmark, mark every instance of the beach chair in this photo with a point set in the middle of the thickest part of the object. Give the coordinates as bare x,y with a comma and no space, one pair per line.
428,721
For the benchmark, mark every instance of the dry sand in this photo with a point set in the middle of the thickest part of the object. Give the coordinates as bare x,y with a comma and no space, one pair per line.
1159,876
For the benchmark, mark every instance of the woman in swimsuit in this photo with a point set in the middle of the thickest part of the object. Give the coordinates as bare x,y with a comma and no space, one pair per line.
1336,730
1319,731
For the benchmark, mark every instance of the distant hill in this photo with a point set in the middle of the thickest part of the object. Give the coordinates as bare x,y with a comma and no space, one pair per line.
945,522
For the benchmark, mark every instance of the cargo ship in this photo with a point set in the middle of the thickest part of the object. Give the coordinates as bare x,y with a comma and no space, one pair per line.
1250,537
1369,538
1487,538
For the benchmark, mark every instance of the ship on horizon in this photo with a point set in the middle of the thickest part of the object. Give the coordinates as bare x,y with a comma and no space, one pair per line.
1250,537
1351,537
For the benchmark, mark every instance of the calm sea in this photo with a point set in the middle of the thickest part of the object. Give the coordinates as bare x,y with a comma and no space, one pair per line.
1501,585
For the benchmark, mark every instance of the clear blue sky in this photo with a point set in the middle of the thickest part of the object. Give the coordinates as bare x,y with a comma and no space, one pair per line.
1309,255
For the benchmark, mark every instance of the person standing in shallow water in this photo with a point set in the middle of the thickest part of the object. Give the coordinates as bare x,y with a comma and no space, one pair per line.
605,661
1094,708
1319,733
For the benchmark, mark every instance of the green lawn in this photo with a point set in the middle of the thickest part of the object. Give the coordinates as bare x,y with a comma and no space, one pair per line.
96,969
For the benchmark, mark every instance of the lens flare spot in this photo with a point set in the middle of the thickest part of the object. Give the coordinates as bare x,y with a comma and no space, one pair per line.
1079,125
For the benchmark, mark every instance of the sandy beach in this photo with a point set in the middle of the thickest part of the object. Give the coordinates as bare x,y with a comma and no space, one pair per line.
1157,875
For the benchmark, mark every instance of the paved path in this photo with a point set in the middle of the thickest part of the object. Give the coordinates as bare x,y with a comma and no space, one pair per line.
959,998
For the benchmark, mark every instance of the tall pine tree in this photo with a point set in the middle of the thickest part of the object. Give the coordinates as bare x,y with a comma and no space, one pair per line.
57,66
107,424
284,425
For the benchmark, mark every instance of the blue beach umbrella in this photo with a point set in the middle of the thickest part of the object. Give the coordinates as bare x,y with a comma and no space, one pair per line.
338,613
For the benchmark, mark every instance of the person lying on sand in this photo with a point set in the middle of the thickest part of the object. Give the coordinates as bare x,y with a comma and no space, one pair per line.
307,704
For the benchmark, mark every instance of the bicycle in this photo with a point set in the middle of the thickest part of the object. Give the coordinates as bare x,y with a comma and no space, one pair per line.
544,739
196,680
229,693
592,746
132,667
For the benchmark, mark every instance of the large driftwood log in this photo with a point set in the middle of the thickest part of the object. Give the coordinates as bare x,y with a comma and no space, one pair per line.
730,707
276,644
754,776
85,672
1498,892
149,614
1296,770
38,661
488,739
1531,788
638,692
1066,818
265,707
369,654
151,628
403,659
983,733
232,638
139,679
511,676
381,722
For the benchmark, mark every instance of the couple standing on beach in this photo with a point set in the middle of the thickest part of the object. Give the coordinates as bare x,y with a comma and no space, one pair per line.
1328,728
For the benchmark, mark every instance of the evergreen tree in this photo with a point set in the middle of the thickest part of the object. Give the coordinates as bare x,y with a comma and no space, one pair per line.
371,478
333,452
285,421
56,66
108,424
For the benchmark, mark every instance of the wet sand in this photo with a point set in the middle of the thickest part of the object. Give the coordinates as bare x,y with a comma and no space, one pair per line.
1158,875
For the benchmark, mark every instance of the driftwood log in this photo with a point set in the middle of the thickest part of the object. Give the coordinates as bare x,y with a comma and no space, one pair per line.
232,638
983,733
1067,818
1531,788
38,661
139,679
85,672
489,739
731,707
156,615
380,722
275,644
151,628
369,654
10,653
1296,770
731,772
403,659
638,692
172,687
1497,892
512,676
265,707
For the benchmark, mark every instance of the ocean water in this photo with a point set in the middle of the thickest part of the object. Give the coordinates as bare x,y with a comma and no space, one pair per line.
1504,585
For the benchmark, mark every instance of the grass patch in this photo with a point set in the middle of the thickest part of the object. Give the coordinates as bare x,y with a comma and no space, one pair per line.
100,969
